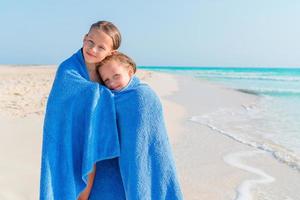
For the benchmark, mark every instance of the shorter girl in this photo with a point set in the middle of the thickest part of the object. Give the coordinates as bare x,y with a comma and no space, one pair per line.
146,163
116,71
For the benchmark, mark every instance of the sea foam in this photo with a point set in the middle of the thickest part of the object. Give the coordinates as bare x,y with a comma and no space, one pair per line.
238,131
244,189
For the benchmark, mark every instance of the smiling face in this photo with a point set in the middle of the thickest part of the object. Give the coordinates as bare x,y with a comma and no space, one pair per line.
96,46
115,75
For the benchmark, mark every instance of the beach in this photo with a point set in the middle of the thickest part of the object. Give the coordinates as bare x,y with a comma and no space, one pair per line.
211,164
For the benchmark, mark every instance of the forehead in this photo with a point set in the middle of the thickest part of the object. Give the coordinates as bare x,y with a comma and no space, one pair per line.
100,37
111,67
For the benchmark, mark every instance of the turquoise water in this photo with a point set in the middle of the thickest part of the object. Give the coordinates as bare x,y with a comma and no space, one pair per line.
272,124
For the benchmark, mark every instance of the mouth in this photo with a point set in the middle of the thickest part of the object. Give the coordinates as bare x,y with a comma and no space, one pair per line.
116,88
91,55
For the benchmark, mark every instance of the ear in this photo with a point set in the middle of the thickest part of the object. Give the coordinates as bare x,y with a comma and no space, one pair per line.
130,72
112,52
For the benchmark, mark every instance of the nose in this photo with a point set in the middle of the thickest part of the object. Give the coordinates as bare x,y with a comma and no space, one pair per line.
111,85
94,49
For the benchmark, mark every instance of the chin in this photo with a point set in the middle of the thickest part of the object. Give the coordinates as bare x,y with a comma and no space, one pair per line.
90,61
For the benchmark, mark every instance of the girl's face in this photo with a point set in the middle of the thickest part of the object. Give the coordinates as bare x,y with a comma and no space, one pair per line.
115,75
96,46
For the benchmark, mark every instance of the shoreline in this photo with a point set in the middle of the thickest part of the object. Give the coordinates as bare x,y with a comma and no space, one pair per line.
200,151
235,100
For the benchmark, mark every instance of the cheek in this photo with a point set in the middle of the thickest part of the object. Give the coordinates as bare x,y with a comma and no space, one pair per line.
102,55
125,80
99,56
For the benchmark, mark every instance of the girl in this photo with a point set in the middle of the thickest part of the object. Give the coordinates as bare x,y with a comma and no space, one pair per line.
70,146
146,160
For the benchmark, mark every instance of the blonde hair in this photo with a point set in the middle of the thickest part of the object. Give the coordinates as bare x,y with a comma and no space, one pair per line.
120,58
111,30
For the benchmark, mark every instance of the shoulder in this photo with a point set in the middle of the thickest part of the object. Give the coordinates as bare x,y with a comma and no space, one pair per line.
147,94
71,62
144,87
73,66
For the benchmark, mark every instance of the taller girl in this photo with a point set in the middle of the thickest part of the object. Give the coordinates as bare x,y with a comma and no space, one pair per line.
79,126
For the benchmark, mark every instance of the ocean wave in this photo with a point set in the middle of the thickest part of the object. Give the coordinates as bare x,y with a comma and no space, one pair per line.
244,189
271,92
279,152
248,76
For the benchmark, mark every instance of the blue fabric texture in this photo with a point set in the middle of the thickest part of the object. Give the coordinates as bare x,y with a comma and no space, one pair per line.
122,132
146,162
79,130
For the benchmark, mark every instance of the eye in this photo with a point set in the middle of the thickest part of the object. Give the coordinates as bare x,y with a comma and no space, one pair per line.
90,42
101,48
117,76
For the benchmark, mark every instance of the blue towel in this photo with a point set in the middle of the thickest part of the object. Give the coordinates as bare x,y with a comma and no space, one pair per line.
79,130
146,162
122,132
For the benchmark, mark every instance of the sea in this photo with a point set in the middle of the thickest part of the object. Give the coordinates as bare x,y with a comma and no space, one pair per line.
272,124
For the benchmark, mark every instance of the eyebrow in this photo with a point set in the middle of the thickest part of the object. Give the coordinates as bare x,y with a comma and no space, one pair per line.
102,45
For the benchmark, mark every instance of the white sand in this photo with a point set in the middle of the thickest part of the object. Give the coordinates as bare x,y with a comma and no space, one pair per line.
199,151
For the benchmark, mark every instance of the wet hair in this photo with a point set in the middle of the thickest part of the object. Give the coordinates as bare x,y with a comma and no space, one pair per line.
119,57
111,30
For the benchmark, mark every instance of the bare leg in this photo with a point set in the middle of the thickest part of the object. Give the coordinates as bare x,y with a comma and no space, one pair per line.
86,192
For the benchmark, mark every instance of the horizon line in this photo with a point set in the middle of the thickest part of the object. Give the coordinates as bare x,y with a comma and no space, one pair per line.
167,66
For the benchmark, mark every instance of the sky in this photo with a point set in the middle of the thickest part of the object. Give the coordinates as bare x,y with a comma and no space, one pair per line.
235,33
